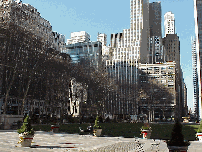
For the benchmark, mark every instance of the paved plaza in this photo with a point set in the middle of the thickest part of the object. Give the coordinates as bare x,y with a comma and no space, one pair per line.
47,141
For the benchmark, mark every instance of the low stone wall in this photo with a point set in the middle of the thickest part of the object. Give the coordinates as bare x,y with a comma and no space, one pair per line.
7,120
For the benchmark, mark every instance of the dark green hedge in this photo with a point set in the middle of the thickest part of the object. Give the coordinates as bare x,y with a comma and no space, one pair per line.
128,130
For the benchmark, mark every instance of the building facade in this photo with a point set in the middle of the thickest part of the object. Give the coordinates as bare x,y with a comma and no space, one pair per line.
159,102
122,101
198,33
129,41
172,49
155,19
157,52
26,17
86,51
21,18
77,37
127,50
143,45
102,37
58,41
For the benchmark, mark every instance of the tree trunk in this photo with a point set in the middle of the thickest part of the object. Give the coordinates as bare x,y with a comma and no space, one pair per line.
25,95
8,90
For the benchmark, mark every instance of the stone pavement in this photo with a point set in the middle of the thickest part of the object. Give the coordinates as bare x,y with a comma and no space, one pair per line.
47,141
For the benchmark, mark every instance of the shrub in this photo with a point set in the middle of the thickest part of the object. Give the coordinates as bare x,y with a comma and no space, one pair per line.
177,138
26,128
96,126
200,128
146,127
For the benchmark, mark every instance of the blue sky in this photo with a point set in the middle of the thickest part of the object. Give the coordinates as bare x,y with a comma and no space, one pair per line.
112,16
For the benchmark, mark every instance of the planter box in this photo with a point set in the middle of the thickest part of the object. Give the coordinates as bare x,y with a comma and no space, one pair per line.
199,136
146,134
25,140
55,128
177,148
97,132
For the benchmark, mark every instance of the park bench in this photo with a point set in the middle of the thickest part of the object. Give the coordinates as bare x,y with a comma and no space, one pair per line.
89,130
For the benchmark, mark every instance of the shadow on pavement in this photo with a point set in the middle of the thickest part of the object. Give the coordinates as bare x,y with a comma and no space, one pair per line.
51,147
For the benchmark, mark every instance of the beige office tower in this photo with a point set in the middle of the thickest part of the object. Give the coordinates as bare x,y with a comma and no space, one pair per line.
169,23
127,50
133,43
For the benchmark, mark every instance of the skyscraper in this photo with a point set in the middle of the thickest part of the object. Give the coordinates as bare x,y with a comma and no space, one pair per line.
169,23
129,41
195,80
171,44
156,53
171,41
128,48
172,48
155,19
198,33
136,50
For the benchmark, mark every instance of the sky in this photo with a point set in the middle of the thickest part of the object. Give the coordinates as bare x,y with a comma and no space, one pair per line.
112,16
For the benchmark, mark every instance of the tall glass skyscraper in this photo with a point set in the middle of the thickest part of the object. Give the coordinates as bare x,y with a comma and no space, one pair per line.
155,19
195,79
156,53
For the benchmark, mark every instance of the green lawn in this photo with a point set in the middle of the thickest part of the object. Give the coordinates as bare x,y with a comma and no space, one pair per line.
128,130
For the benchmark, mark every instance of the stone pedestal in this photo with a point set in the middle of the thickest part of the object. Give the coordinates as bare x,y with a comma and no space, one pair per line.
177,148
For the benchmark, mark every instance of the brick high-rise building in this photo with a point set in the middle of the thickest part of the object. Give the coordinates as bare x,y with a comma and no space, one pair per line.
172,48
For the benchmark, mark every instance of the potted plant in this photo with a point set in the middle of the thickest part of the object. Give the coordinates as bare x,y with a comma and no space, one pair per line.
146,131
26,133
177,143
199,132
97,130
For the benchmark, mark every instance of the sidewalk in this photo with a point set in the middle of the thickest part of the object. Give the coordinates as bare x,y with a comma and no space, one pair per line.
46,141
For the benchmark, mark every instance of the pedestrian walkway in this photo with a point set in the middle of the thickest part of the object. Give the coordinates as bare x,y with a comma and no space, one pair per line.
47,141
